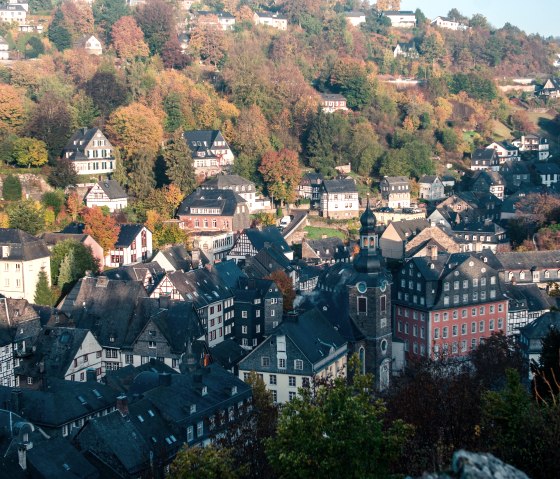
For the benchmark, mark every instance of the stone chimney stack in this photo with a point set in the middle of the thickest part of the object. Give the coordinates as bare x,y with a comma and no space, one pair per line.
433,249
122,405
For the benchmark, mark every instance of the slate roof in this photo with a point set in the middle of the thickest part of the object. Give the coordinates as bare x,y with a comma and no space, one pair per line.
62,402
396,180
406,229
200,141
122,379
83,136
271,235
478,227
527,296
527,260
228,353
224,200
137,272
311,178
328,249
540,327
52,239
267,260
332,97
486,156
428,179
490,176
342,185
178,257
229,272
547,168
17,314
127,233
112,189
221,182
201,286
22,245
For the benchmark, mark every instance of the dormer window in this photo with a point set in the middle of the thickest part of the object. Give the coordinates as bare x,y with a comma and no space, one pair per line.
5,251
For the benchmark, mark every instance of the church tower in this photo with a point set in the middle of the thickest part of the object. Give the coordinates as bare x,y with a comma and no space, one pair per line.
369,304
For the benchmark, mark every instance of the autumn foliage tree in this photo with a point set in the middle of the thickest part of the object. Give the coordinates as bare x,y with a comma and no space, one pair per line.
29,152
12,109
286,287
128,39
103,228
281,173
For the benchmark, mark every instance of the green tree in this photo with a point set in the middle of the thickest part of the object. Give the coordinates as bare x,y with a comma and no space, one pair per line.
172,106
106,13
26,215
11,188
29,152
281,173
141,177
203,462
335,429
58,34
365,150
157,21
179,163
63,174
68,272
34,47
43,293
547,380
55,200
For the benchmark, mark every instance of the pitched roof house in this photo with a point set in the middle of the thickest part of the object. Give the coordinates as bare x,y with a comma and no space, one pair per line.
90,44
401,19
90,152
406,50
51,239
270,19
107,193
532,142
339,198
395,191
488,181
431,188
331,102
550,89
531,336
243,187
310,186
210,151
448,23
397,234
325,250
173,258
252,240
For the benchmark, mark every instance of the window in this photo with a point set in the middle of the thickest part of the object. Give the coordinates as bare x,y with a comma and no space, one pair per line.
455,314
414,330
274,395
243,329
29,380
436,318
244,314
463,329
265,361
445,330
473,327
492,309
291,395
281,364
481,327
129,359
199,429
500,323
436,333
482,310
405,328
491,325
473,343
298,365
273,379
362,305
473,312
292,381
445,316
455,330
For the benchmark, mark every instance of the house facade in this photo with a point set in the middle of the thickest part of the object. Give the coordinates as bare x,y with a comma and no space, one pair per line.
252,240
90,152
448,24
272,20
243,187
22,258
551,88
406,50
397,234
310,187
488,181
401,19
548,173
531,142
485,159
90,44
214,245
447,303
431,188
339,199
13,12
107,193
395,191
331,102
210,151
506,151
134,244
4,49
355,18
51,239
221,20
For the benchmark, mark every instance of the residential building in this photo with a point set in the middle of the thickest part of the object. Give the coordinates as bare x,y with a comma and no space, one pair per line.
13,13
531,142
220,20
59,352
531,336
4,49
309,187
147,274
23,257
549,173
211,298
526,303
214,210
515,174
406,50
243,187
325,251
90,44
505,151
64,407
431,188
339,199
270,19
214,246
485,159
355,18
210,151
331,102
173,258
394,239
395,191
488,181
401,19
107,193
51,239
448,24
551,88
252,240
289,359
437,238
448,303
481,235
540,267
90,152
269,259
467,206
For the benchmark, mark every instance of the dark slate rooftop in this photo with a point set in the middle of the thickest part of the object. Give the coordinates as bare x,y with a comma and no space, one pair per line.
527,260
528,296
202,286
15,315
396,180
221,182
127,233
540,327
123,378
22,246
342,185
484,154
53,238
429,179
79,141
230,273
151,272
228,353
112,189
224,200
271,235
406,229
547,168
178,257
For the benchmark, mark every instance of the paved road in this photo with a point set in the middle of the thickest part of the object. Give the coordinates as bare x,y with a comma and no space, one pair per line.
299,217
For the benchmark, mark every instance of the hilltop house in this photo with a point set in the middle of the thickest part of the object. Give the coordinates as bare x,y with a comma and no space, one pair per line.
488,181
90,152
331,102
531,142
550,89
448,23
23,257
90,44
220,20
395,191
406,50
505,151
107,193
355,18
210,151
272,20
401,19
431,188
339,199
310,187
11,12
485,159
243,187
532,335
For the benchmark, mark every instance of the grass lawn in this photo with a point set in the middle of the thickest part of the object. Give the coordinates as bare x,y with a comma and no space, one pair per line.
316,232
501,131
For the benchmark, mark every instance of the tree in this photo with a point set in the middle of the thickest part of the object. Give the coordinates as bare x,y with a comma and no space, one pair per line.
34,47
136,130
547,379
73,205
179,166
58,33
281,174
335,429
173,56
107,12
29,152
175,119
102,228
286,287
63,174
43,293
78,17
365,150
13,113
349,77
128,39
26,215
11,188
140,174
67,273
55,200
157,21
106,90
209,462
209,43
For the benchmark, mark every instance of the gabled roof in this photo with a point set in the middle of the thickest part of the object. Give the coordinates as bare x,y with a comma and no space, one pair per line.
484,154
398,12
489,176
229,272
112,189
220,182
396,180
18,318
407,229
527,260
528,296
178,257
79,140
428,179
202,286
127,234
270,234
540,327
142,272
326,248
194,137
225,201
487,227
342,185
53,238
547,168
21,245
266,261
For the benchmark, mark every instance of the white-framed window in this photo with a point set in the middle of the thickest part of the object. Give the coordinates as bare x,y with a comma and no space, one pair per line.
292,381
244,314
281,363
199,429
152,344
298,365
265,361
291,395
244,329
273,379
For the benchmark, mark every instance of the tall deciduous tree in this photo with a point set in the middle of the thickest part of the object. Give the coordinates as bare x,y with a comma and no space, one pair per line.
208,462
106,90
128,39
78,17
286,287
141,178
63,174
107,12
12,109
281,173
82,260
179,163
68,271
102,228
157,21
29,152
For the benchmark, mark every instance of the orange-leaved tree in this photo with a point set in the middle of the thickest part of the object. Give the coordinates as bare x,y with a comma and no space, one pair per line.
286,287
103,228
281,173
128,39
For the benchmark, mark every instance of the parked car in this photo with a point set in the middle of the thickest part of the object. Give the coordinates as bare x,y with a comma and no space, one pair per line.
386,209
285,221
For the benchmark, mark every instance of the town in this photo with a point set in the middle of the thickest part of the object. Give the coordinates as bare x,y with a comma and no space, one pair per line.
241,239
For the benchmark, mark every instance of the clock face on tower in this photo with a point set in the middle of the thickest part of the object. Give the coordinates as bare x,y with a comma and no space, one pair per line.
383,285
362,287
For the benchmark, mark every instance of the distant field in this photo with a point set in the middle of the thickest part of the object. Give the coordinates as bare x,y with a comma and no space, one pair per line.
315,232
501,131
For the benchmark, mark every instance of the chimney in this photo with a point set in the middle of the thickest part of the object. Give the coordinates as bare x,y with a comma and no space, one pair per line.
433,250
164,302
165,379
122,405
91,375
17,400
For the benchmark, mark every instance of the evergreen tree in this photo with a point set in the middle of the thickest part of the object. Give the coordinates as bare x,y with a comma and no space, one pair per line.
68,271
26,216
43,293
179,163
11,188
172,107
141,178
58,34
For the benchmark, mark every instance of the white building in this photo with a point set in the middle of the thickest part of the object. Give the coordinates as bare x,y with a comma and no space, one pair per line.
90,44
339,199
431,188
23,256
214,245
107,193
505,151
355,18
449,24
331,102
532,142
133,245
270,20
13,12
210,151
401,19
242,186
90,152
395,191
4,49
